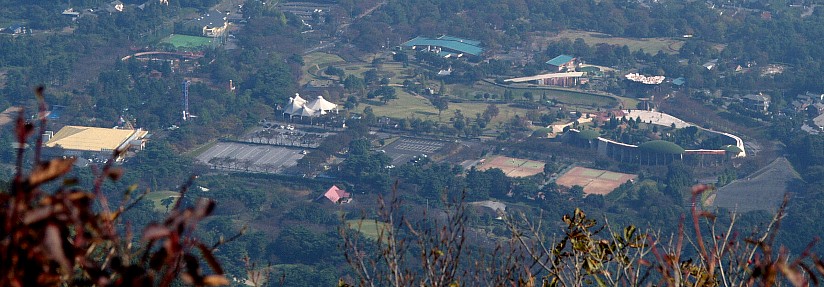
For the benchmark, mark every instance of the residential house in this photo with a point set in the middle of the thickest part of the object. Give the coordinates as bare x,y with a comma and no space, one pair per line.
337,195
15,29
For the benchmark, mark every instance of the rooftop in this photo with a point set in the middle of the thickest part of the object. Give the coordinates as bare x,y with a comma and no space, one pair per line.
210,19
335,194
560,60
93,139
457,44
756,97
546,76
450,38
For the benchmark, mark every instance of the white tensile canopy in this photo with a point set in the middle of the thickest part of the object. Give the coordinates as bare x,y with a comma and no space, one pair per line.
297,99
293,108
321,104
307,112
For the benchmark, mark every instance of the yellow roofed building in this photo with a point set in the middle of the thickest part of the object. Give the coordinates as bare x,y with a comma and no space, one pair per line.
94,142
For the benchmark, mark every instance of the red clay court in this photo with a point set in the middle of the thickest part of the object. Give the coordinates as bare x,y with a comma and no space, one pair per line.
594,181
513,167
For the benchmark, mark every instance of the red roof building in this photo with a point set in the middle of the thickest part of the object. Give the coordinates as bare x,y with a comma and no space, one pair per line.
337,195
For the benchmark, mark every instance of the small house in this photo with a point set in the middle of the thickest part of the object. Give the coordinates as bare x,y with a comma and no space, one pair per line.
337,195
15,29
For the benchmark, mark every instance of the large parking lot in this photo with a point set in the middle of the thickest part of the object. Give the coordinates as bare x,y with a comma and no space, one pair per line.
250,157
405,149
285,135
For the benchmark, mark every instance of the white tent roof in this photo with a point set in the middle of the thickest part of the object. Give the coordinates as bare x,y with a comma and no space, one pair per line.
298,99
321,104
293,108
307,112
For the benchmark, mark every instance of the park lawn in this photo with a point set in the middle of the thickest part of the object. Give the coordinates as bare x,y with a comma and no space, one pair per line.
201,149
316,61
395,71
356,69
568,97
368,227
649,45
186,41
409,106
155,197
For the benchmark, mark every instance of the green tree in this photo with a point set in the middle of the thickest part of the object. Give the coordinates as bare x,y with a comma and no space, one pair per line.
576,191
440,103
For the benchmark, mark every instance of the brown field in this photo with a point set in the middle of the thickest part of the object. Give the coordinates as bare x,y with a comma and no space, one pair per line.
513,167
594,181
9,115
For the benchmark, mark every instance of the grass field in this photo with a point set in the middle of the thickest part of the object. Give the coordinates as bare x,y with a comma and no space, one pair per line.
513,167
315,61
649,45
594,181
186,41
408,105
564,96
157,196
368,227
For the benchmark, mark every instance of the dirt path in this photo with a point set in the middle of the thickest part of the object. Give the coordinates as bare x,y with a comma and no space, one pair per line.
343,28
8,115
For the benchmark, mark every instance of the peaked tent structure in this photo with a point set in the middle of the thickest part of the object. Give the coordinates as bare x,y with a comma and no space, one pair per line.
297,99
293,108
297,106
321,104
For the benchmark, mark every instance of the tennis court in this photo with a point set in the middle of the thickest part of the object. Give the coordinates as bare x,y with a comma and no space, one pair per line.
594,181
512,167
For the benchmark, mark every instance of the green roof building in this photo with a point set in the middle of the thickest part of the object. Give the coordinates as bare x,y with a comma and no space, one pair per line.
562,63
446,46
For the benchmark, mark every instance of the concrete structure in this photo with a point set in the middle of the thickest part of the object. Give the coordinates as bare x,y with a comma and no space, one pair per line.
758,102
446,46
644,79
115,6
567,79
562,63
662,119
657,152
91,142
213,24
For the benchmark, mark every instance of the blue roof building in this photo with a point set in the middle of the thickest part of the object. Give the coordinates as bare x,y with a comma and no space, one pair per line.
560,60
446,46
450,38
